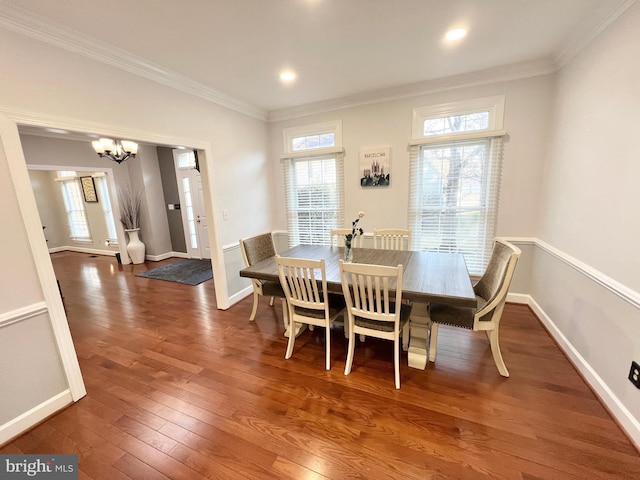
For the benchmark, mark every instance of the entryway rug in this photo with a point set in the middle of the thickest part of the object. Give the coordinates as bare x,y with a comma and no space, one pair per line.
190,272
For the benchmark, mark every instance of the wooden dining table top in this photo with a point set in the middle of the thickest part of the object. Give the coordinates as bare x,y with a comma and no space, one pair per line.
428,276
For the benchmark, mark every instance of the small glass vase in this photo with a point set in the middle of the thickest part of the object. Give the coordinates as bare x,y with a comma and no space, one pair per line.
348,254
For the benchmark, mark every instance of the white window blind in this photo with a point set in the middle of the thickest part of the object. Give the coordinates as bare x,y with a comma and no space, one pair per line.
314,187
74,205
454,195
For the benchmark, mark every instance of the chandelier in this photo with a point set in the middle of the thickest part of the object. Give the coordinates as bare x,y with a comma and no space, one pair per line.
117,150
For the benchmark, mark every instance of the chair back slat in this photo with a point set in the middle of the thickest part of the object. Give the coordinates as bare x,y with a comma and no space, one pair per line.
367,290
392,239
338,234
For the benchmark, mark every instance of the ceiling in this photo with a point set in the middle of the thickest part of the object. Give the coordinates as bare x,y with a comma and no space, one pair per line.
232,51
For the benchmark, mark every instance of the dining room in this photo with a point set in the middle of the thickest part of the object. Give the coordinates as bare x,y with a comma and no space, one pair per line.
560,189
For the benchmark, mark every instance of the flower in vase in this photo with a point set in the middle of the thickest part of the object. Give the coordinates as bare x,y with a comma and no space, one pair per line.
355,230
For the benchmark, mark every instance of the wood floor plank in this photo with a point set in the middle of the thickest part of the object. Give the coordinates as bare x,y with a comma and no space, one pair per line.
178,389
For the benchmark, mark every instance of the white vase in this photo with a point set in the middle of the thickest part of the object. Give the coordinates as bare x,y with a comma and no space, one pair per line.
135,247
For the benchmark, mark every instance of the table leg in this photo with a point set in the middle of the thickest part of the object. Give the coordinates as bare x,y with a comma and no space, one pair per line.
433,342
419,336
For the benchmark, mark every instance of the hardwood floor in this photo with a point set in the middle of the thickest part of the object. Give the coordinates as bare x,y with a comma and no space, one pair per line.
178,389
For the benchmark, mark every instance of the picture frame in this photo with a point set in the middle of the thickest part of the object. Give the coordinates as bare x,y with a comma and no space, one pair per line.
89,189
375,166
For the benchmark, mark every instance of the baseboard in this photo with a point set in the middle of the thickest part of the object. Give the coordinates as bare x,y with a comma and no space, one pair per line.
622,415
164,256
27,420
244,293
91,251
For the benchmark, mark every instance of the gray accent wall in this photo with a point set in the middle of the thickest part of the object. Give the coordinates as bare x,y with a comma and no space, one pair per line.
171,196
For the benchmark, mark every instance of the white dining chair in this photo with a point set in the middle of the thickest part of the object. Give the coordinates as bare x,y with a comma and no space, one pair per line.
338,234
392,239
304,283
372,311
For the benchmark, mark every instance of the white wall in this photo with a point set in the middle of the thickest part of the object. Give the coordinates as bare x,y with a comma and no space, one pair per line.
51,87
589,289
527,114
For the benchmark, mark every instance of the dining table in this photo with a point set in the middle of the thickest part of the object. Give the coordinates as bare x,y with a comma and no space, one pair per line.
428,277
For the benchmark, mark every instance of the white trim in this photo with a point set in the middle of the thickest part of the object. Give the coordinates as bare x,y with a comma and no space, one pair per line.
313,153
333,126
18,425
242,294
91,251
626,420
21,314
164,256
571,51
494,105
29,24
457,137
31,219
625,293
230,246
507,73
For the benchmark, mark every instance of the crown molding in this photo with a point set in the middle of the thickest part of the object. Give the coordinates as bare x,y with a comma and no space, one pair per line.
30,123
566,55
37,27
533,68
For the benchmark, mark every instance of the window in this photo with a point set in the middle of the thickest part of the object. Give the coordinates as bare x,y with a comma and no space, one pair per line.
74,205
314,184
456,158
103,194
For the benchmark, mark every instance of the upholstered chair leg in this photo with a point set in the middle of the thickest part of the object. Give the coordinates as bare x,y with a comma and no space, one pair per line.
292,339
495,350
396,359
327,342
255,307
433,341
352,342
271,301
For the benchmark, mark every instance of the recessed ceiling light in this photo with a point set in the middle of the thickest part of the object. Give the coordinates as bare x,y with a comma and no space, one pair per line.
455,34
287,76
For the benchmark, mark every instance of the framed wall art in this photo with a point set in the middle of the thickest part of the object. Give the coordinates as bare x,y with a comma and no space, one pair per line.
89,189
375,167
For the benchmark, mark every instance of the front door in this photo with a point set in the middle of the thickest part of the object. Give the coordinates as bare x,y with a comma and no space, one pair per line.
194,218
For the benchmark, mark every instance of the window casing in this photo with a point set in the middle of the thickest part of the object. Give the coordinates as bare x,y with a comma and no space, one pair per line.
74,206
314,182
107,210
456,160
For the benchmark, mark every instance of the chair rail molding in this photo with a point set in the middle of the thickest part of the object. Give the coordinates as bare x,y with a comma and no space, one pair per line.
625,293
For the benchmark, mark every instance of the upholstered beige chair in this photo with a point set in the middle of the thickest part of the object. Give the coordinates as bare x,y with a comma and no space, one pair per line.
254,250
337,238
491,294
392,239
372,311
305,287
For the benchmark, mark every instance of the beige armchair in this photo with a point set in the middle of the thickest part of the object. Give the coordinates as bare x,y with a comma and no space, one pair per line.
254,250
491,293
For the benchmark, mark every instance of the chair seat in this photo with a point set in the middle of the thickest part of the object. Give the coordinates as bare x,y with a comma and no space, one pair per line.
336,304
272,289
462,317
405,313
